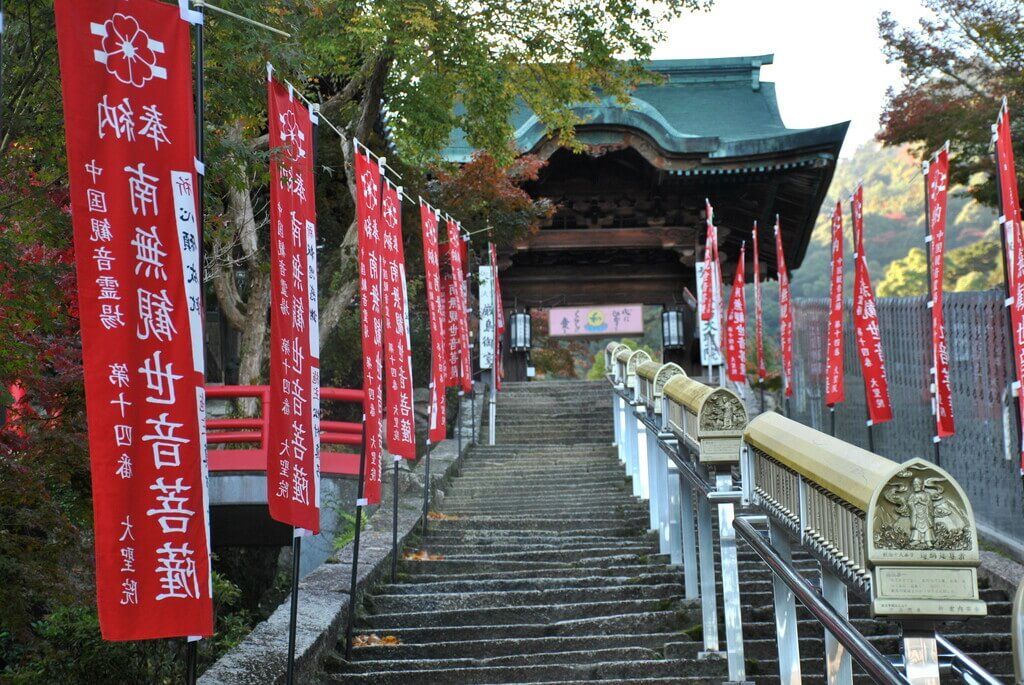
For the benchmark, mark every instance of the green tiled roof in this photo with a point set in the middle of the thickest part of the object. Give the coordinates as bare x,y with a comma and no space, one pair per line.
718,108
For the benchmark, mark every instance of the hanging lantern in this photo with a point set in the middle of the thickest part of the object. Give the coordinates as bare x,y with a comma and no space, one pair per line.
672,329
521,332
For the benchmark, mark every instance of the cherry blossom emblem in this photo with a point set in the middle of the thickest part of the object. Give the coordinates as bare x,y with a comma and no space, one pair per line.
292,136
369,190
128,53
390,212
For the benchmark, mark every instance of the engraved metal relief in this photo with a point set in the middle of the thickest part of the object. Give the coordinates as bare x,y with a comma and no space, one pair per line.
920,510
722,412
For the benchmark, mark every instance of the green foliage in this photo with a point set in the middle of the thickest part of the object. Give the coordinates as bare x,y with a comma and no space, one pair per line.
973,267
956,65
893,219
348,532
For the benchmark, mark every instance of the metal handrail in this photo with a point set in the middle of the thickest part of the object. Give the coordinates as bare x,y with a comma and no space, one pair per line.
871,660
963,664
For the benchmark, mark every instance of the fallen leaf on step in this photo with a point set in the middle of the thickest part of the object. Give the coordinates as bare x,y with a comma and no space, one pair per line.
438,516
422,555
374,640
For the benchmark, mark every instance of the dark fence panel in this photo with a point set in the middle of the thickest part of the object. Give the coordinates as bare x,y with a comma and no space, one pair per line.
982,455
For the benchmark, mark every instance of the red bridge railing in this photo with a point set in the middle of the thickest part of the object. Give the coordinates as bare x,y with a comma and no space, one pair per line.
253,431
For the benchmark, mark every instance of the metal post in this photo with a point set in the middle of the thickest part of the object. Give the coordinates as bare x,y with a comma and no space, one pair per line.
933,376
191,660
472,416
355,544
871,435
192,647
293,616
653,475
491,410
394,522
1008,293
838,668
615,422
458,424
730,582
672,517
665,516
643,468
623,433
786,635
708,599
760,388
921,657
689,539
832,421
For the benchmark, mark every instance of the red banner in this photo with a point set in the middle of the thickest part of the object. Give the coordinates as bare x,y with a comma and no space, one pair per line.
293,436
707,310
368,212
397,349
762,372
936,180
736,326
867,333
457,250
834,390
1014,244
785,312
450,289
436,313
126,78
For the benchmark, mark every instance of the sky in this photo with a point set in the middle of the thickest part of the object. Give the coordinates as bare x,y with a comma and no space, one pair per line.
829,65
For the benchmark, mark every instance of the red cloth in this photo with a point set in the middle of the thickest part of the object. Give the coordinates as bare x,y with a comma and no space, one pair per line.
126,77
436,314
401,431
936,181
867,333
293,434
785,312
1014,243
368,189
834,389
736,326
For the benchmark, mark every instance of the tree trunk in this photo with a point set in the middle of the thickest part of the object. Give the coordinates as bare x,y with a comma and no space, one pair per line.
343,268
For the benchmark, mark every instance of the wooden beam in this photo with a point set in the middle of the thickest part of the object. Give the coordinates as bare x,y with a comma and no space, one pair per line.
638,238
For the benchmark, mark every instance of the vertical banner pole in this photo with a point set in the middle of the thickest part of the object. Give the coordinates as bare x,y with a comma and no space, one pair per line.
394,522
294,611
1009,293
191,658
192,646
355,546
832,421
932,378
426,457
760,388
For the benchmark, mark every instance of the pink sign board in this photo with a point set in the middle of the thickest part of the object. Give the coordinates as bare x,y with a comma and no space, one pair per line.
626,319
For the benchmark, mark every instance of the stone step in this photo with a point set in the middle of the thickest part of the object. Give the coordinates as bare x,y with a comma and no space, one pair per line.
383,603
636,671
611,493
542,583
435,663
461,548
521,646
436,573
631,623
489,616
523,536
532,523
483,564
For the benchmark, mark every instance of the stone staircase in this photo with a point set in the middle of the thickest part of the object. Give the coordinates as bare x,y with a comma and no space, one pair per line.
541,570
